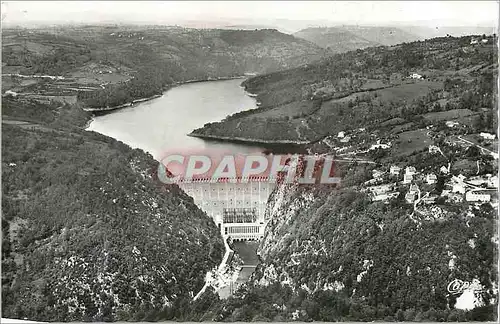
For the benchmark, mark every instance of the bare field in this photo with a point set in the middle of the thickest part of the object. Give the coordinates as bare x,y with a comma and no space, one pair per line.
293,109
449,115
411,141
407,92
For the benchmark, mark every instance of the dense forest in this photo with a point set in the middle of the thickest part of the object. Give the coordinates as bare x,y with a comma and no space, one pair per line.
87,232
342,257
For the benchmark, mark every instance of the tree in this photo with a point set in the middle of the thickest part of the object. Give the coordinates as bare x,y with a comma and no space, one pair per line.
473,152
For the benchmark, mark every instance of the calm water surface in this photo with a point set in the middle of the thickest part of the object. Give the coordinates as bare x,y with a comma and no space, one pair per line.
163,123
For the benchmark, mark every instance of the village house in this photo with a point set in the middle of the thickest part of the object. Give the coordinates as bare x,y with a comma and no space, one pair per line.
444,170
433,149
431,178
474,196
10,93
487,136
474,41
341,135
416,76
412,194
457,184
345,139
493,182
458,187
484,41
451,123
377,190
429,199
395,170
385,196
407,178
410,197
377,174
378,145
410,170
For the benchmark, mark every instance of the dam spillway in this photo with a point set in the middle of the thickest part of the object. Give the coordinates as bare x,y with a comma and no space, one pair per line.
237,208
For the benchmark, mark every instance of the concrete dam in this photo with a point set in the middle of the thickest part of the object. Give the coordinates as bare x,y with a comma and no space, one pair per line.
237,208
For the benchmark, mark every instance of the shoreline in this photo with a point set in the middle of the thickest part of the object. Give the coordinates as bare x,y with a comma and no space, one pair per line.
131,103
128,104
248,140
211,79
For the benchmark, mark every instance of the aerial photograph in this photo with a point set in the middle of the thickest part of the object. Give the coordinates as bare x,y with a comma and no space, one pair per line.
249,161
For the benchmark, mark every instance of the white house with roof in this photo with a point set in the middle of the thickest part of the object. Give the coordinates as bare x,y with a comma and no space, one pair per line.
341,135
10,93
433,149
493,182
431,178
458,187
407,178
412,194
457,184
379,145
416,76
410,170
475,196
385,196
444,170
451,123
394,170
487,136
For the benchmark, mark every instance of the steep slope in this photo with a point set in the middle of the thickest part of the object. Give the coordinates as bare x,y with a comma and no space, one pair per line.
383,35
88,234
337,39
331,255
347,38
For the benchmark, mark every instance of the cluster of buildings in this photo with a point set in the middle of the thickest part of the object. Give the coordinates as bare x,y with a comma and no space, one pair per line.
477,189
416,76
487,136
388,185
475,41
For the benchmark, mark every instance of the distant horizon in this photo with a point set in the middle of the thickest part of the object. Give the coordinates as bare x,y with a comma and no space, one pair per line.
286,15
194,24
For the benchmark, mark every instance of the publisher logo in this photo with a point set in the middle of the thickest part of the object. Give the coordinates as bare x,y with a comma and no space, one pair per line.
458,286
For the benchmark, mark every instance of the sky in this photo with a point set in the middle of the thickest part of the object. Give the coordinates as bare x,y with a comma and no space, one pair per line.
436,13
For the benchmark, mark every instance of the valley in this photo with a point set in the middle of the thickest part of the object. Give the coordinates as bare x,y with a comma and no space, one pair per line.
91,234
